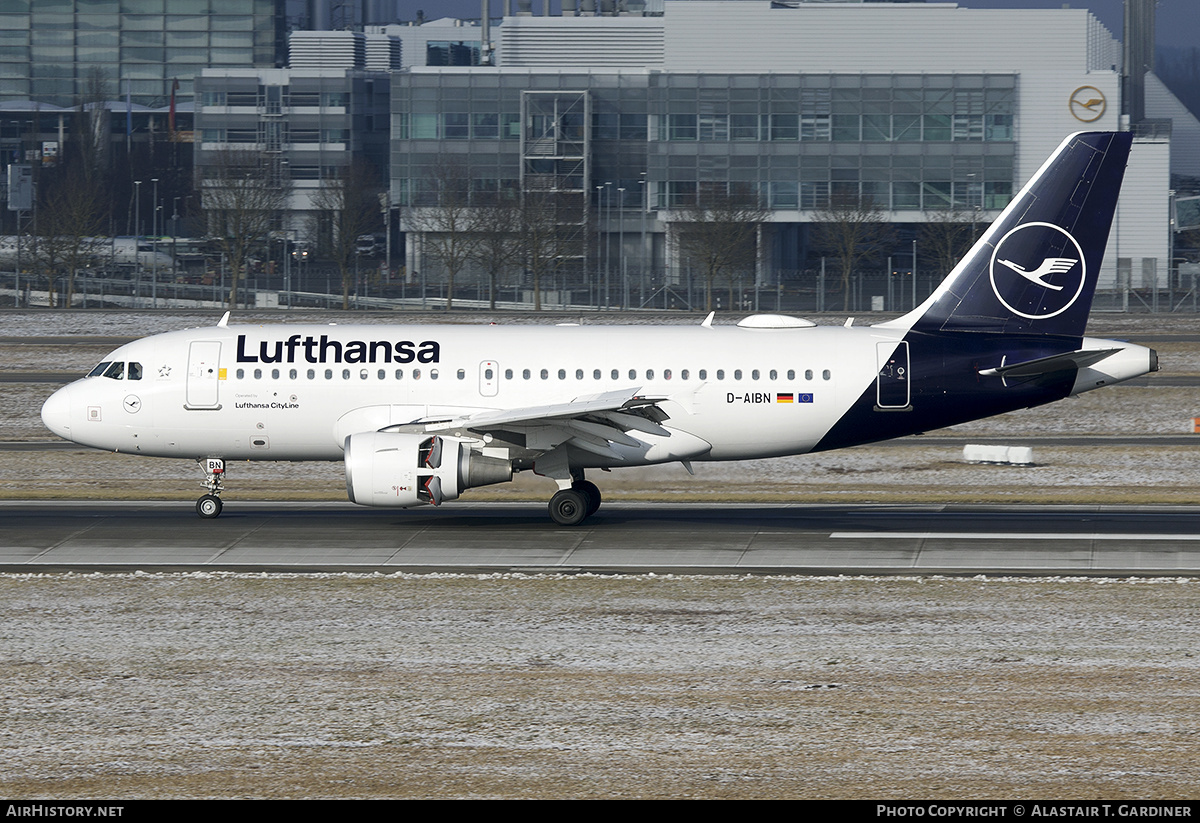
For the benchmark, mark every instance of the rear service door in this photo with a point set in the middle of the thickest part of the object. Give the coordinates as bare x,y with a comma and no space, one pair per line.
892,385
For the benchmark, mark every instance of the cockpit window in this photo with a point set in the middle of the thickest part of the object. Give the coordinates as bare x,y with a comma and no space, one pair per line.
116,370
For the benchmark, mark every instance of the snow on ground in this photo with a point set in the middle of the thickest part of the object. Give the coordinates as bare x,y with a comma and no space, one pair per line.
217,685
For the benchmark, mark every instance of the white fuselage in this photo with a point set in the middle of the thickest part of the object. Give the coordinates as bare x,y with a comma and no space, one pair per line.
743,392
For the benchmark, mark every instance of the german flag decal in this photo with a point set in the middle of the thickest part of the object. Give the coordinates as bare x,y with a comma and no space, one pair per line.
784,397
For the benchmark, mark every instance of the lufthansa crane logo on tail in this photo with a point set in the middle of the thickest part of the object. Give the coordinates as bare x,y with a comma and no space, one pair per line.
1051,265
1038,270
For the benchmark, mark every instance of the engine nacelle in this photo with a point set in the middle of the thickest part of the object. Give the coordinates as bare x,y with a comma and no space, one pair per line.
401,470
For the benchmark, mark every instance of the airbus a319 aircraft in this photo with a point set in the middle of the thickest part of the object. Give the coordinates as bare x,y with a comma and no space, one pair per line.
420,414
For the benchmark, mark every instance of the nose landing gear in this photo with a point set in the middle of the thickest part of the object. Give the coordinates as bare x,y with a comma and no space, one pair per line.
209,506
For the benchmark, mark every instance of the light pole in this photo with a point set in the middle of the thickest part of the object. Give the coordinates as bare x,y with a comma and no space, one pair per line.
599,237
175,241
645,208
137,234
621,246
607,250
154,257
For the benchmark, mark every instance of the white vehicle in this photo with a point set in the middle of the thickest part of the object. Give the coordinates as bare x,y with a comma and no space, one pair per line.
419,414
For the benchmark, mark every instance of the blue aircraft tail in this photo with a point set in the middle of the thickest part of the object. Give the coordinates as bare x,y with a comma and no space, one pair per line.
1034,270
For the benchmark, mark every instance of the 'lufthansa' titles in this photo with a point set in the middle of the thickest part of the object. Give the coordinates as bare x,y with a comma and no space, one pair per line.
321,349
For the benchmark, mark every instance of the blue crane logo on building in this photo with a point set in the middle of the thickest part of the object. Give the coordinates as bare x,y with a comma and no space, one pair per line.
1038,271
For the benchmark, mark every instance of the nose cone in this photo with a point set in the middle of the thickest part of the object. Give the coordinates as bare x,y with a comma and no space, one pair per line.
56,412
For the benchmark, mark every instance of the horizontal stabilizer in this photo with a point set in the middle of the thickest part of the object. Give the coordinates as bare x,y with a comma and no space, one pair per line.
1049,365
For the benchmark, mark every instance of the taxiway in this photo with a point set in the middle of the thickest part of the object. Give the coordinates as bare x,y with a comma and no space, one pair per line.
622,538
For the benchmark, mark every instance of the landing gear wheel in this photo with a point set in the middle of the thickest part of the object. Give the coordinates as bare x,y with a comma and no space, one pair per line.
568,507
208,506
591,493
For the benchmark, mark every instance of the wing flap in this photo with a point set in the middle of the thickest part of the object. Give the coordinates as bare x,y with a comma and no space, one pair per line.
618,401
1048,365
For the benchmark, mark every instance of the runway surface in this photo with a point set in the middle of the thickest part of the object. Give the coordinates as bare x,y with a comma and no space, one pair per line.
621,538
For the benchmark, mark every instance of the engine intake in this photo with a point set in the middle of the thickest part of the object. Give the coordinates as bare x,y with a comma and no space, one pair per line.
398,470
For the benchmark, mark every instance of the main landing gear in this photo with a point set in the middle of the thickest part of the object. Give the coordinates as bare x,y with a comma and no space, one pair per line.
570,507
209,506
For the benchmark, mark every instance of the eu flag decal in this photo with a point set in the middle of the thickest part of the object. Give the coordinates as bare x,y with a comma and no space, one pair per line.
804,398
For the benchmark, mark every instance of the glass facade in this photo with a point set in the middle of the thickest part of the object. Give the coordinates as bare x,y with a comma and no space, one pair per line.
313,123
59,51
905,141
476,118
908,142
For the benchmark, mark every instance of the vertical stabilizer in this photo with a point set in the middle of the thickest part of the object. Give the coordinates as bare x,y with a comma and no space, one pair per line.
1034,270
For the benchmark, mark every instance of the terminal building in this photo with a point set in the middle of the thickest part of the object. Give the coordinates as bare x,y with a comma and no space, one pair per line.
631,114
918,108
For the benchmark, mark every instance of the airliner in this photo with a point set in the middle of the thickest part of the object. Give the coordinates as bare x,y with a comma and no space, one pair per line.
420,414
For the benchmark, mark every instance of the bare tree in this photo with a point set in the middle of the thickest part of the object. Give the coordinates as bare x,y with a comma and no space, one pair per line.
72,216
851,228
946,235
498,246
551,235
446,220
73,202
243,196
347,206
717,234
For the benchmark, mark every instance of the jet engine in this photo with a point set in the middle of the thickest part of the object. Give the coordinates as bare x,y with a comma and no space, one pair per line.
400,470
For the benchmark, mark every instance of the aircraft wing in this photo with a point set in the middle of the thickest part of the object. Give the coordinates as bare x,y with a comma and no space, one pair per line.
592,423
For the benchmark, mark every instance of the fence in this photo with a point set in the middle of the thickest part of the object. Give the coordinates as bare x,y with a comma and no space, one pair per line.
795,292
